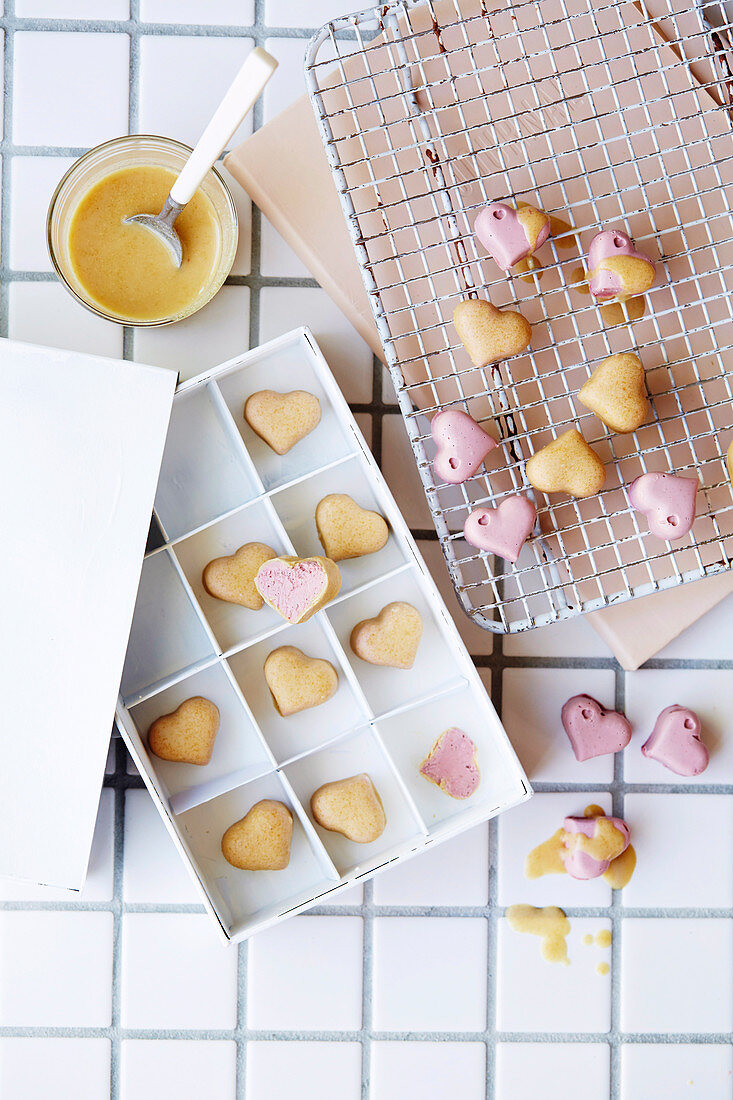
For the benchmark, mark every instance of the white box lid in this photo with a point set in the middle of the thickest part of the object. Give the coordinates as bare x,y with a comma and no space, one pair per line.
81,442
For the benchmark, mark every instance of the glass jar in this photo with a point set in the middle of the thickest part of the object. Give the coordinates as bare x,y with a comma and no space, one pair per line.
127,152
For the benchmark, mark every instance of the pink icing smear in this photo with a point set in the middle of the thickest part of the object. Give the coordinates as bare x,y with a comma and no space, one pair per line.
291,589
451,764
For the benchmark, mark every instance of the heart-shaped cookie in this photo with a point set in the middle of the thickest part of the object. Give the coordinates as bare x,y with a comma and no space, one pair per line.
261,840
567,465
282,419
451,764
592,730
187,734
346,530
510,235
297,587
667,501
616,393
233,578
462,445
351,807
489,334
615,269
503,530
592,843
298,682
676,742
391,638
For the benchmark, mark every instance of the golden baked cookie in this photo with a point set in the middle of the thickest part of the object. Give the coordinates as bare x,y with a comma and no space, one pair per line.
567,465
391,638
298,682
260,841
347,530
616,393
187,734
351,807
282,419
232,578
489,334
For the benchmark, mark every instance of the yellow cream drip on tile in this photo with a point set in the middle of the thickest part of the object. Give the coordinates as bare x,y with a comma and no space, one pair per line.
579,280
604,938
546,859
602,968
619,873
528,269
624,311
550,923
587,939
729,458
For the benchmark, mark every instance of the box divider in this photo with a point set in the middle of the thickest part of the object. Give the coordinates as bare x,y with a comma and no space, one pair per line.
451,688
192,597
234,434
400,781
170,681
316,843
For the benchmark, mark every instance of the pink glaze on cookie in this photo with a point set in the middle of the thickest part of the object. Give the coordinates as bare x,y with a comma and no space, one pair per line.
291,589
592,730
676,742
503,233
451,764
616,269
503,530
667,501
592,843
462,445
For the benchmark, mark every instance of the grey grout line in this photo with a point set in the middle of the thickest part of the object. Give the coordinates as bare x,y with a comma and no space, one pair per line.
367,988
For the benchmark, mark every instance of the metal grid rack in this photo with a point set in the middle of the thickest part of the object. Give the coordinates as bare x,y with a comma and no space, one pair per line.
430,109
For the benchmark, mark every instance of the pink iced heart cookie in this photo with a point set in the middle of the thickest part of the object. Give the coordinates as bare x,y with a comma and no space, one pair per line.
503,530
510,235
667,501
592,730
592,843
615,269
675,742
298,587
451,764
462,445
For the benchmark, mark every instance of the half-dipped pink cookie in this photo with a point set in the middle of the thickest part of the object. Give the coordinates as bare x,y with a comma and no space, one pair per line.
298,587
502,530
462,445
510,235
592,843
451,764
676,742
667,501
592,730
615,268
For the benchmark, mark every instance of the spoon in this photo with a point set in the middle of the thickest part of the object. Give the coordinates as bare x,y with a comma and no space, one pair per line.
241,97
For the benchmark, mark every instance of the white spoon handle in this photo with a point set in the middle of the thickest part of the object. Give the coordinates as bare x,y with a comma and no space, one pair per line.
241,97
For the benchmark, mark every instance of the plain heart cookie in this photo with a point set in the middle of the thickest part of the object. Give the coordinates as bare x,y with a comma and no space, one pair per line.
489,334
261,840
298,587
346,530
616,393
616,269
592,730
233,578
461,444
511,235
451,764
676,742
298,682
391,638
667,501
187,734
282,419
351,807
567,465
502,530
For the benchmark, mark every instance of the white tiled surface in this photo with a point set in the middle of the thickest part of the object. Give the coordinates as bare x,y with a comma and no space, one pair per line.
415,986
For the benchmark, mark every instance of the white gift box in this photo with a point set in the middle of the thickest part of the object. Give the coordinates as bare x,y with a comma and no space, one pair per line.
81,440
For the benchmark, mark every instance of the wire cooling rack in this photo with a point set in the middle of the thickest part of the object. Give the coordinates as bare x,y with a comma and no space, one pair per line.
591,111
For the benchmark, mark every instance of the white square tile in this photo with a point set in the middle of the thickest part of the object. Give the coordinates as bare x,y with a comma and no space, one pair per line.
569,638
294,13
532,701
430,973
710,638
684,849
44,313
228,13
73,9
553,1071
306,975
400,471
434,1070
277,257
33,181
676,975
153,872
477,641
65,1069
453,873
323,1071
283,308
243,259
526,826
288,82
689,1071
99,882
65,71
152,1068
176,973
201,70
534,995
55,969
709,692
216,333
